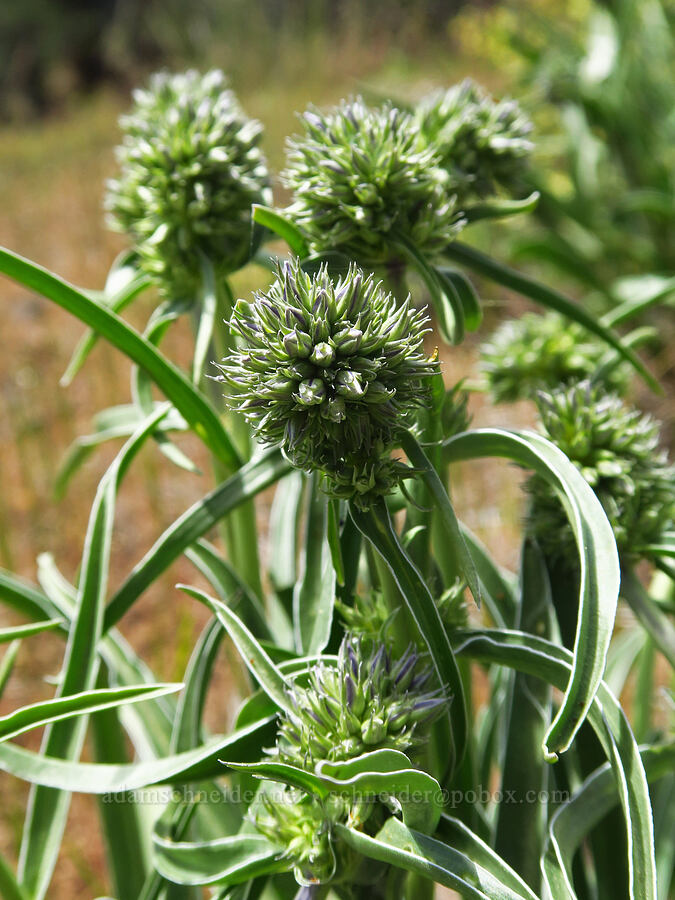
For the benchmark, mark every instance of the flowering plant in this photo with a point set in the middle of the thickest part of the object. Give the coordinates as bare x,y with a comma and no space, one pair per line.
358,763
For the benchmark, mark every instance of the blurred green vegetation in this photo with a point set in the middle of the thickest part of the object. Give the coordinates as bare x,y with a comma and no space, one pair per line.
51,48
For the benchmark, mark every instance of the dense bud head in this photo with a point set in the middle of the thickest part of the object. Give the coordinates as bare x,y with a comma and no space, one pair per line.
191,167
369,701
539,352
330,371
360,176
481,142
301,824
616,450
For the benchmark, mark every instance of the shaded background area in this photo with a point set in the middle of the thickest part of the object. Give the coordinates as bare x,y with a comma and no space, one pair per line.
66,70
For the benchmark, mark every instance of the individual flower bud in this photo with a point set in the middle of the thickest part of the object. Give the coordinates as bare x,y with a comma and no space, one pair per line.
190,168
301,825
297,343
539,352
322,355
345,412
482,143
311,392
348,340
367,701
362,178
616,449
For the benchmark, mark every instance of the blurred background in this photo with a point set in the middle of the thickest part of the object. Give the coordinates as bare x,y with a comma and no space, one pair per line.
597,79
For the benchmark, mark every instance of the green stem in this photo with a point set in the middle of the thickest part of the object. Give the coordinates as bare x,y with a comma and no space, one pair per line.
376,525
239,529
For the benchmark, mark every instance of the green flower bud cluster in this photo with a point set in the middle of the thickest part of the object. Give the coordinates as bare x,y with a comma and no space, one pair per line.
362,176
452,606
481,142
368,701
539,352
302,825
331,372
191,166
616,450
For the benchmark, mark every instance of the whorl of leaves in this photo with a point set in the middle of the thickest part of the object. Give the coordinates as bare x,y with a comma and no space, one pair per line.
190,168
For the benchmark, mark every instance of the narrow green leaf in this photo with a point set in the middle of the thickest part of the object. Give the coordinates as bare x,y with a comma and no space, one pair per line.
281,226
284,529
377,527
48,809
186,729
445,300
123,823
473,312
455,833
638,294
10,889
128,284
7,664
252,478
22,631
497,585
599,565
575,819
500,209
228,860
552,663
528,287
177,388
201,763
370,775
257,661
208,306
521,826
401,846
232,590
84,445
314,594
38,714
648,614
454,536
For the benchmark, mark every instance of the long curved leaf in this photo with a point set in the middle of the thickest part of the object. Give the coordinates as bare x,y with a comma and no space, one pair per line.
552,663
401,846
188,401
314,594
228,860
22,631
126,290
47,809
377,527
528,287
574,820
252,478
281,226
600,574
38,714
256,659
656,623
201,763
447,515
